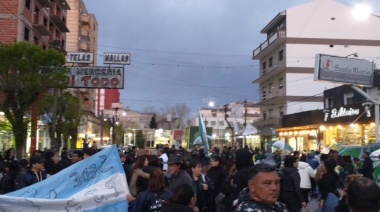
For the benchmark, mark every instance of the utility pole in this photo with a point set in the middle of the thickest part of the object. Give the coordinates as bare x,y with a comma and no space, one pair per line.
245,120
229,125
101,127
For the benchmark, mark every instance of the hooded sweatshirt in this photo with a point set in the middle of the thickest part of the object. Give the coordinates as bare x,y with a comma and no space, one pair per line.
305,171
247,203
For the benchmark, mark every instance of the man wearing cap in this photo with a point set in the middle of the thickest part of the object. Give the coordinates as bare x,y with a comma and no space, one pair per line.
176,170
367,169
34,174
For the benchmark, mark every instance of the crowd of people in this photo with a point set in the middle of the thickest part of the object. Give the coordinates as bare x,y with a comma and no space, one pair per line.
220,179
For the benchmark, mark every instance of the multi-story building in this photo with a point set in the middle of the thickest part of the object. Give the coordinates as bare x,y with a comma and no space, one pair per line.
287,56
40,21
43,22
83,37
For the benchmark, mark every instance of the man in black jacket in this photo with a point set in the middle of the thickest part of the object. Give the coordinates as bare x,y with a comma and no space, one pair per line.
367,169
34,174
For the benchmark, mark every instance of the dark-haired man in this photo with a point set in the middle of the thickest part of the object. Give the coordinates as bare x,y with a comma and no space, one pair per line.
367,169
34,174
262,192
363,195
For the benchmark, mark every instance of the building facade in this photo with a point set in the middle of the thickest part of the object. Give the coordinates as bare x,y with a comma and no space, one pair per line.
287,57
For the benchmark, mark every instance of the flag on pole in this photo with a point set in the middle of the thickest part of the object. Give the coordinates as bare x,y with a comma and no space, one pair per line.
96,183
203,134
249,130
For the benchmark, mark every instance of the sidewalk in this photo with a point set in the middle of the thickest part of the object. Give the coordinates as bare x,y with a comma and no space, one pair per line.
313,206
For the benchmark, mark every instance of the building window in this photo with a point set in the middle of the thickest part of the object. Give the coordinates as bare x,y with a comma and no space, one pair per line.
270,62
27,4
264,65
264,93
281,55
213,123
26,34
270,87
281,109
221,123
348,98
329,102
264,115
280,83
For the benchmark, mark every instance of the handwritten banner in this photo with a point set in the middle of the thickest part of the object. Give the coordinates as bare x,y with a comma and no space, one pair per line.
96,183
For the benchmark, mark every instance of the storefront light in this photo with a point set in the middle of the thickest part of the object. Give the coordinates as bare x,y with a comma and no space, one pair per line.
281,133
352,125
321,128
331,127
372,124
290,133
295,132
285,133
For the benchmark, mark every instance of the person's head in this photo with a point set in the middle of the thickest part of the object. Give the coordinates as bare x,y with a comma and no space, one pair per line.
243,158
216,150
65,154
135,148
215,160
324,157
356,160
291,161
330,165
195,147
365,155
87,152
264,183
303,157
141,161
349,179
346,159
363,195
194,168
174,164
296,154
36,163
153,161
184,195
148,152
122,157
77,156
160,152
156,181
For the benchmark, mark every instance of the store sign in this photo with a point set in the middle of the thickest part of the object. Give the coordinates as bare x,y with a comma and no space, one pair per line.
80,57
344,70
117,58
340,112
96,77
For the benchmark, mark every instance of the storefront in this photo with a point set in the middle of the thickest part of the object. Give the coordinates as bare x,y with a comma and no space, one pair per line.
349,125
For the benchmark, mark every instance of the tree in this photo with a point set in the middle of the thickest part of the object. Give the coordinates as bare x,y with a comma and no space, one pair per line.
64,115
26,72
180,112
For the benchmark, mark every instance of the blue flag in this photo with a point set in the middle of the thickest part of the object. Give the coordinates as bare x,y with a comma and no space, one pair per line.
96,183
203,134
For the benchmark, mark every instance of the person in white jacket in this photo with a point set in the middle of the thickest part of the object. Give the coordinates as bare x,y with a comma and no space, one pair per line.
306,172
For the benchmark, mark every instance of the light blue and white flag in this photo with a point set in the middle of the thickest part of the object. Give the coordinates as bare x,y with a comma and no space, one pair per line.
96,183
203,134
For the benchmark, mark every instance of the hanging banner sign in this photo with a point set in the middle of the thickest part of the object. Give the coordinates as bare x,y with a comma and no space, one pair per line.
96,77
117,58
80,57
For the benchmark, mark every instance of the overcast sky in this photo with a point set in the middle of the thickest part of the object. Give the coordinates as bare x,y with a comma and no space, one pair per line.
187,51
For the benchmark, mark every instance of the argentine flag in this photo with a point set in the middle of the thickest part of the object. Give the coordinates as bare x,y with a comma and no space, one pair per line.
203,134
96,183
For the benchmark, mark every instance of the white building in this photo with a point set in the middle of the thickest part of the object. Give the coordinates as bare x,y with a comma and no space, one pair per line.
287,56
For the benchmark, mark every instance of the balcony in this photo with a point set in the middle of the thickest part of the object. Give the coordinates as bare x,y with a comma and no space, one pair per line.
84,46
63,4
44,3
271,122
59,23
85,18
41,29
267,45
84,32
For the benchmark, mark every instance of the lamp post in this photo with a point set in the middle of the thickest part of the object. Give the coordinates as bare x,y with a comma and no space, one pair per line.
134,137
